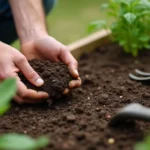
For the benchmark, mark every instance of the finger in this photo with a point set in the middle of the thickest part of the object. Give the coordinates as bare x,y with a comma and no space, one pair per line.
19,100
28,71
70,61
29,94
66,91
75,83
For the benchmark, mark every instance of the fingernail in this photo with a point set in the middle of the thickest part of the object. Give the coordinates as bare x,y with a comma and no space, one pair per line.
39,82
76,72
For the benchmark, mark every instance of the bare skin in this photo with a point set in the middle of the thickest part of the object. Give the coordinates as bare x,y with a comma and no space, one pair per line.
11,62
35,44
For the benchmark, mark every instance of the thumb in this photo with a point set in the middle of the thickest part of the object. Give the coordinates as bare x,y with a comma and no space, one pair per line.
70,61
28,71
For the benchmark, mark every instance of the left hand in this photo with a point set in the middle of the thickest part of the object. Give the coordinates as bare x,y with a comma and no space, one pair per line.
49,48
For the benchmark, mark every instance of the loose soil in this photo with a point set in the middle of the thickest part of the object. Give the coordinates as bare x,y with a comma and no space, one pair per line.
80,121
55,75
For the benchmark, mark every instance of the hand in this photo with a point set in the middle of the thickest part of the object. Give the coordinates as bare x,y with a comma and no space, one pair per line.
47,47
11,62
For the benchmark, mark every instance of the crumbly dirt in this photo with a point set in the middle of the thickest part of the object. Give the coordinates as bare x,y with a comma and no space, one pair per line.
80,121
56,78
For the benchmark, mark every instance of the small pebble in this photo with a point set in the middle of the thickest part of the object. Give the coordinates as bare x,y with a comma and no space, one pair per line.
86,76
146,95
111,141
108,116
112,70
88,104
121,96
102,113
105,96
99,88
25,132
71,118
97,109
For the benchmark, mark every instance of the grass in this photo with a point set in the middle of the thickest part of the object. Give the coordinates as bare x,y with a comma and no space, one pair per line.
69,19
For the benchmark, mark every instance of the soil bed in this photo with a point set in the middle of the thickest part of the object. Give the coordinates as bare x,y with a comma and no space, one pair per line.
80,121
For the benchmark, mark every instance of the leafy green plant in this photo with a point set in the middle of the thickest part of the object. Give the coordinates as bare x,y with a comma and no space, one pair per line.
130,25
15,141
7,91
144,145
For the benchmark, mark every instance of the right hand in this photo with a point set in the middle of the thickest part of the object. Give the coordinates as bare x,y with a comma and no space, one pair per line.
12,62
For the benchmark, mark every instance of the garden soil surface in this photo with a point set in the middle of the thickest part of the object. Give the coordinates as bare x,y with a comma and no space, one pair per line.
80,120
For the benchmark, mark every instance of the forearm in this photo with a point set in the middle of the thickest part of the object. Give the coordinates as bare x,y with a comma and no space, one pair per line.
29,19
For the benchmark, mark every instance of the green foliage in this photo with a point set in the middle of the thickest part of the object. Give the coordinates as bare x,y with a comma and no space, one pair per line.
21,142
7,91
14,141
130,27
144,145
96,25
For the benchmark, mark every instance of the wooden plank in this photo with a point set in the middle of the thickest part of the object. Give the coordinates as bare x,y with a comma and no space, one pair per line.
89,43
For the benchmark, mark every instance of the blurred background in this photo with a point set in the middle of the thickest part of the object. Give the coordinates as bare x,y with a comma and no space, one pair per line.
69,19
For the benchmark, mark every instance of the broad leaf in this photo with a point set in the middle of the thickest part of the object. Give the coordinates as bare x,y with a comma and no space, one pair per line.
7,91
104,6
99,24
144,38
130,17
144,145
21,142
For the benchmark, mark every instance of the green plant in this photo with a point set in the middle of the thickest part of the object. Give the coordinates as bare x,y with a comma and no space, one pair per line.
144,145
7,91
15,141
130,25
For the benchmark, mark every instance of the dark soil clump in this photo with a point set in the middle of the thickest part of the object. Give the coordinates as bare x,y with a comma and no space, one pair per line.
55,75
80,121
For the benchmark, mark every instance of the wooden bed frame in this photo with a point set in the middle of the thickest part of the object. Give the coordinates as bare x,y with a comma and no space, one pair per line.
89,43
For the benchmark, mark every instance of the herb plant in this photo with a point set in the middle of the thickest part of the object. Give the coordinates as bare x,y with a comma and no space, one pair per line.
7,91
130,26
144,145
13,141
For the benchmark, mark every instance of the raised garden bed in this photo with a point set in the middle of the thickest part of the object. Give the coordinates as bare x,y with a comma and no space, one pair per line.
80,121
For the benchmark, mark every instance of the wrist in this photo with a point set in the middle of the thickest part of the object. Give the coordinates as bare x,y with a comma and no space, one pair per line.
32,34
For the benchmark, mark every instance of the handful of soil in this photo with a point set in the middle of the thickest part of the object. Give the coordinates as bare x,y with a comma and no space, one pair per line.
56,78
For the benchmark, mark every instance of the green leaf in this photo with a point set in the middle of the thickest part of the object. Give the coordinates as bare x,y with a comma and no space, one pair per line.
7,91
141,146
145,3
99,24
130,26
130,17
4,108
42,141
144,145
15,141
134,52
105,6
144,38
126,2
147,46
123,42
